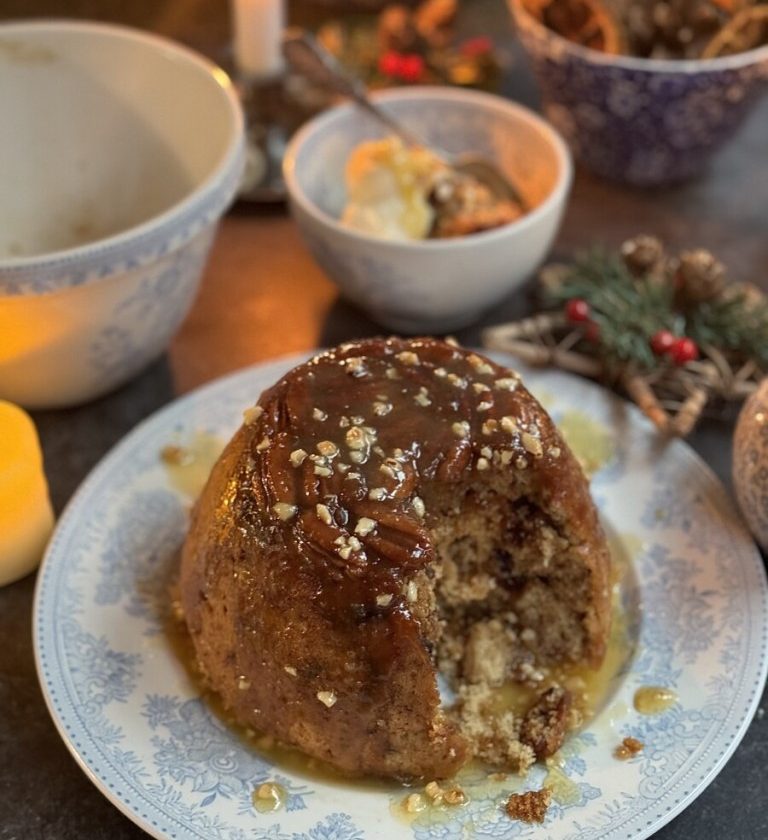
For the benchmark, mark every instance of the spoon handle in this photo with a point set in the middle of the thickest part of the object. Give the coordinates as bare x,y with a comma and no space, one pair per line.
308,57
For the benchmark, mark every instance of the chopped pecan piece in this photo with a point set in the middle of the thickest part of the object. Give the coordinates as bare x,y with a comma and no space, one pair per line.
530,807
628,748
545,723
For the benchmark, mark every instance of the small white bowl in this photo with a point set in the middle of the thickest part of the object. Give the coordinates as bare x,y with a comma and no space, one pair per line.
440,284
119,151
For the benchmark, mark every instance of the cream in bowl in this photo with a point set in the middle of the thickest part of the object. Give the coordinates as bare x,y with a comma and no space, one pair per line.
400,192
119,151
422,283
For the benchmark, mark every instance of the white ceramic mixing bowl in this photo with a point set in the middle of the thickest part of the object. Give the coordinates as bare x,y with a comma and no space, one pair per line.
119,151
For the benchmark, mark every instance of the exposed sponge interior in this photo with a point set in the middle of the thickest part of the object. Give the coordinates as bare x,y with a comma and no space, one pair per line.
503,607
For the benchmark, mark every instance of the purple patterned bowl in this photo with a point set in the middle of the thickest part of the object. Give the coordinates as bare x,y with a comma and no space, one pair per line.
640,121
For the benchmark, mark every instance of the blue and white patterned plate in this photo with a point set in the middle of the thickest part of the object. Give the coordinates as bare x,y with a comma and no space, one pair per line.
129,713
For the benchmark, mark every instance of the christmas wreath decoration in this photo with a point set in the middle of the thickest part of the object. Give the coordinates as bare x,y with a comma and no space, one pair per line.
671,330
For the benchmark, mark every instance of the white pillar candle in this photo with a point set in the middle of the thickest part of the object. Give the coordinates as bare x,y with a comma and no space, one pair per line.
258,28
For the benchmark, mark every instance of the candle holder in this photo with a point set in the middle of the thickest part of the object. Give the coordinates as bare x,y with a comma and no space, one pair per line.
274,100
266,135
274,109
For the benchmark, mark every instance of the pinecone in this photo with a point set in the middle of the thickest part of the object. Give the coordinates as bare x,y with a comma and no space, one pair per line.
671,28
434,20
591,23
397,30
643,255
552,277
699,277
430,24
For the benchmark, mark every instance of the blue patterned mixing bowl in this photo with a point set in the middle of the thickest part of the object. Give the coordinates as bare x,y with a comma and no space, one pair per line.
640,121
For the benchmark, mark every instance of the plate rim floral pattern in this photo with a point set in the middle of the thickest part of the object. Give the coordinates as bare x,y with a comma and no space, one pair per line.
85,678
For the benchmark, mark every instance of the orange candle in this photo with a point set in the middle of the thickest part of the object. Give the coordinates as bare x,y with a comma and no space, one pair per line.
26,516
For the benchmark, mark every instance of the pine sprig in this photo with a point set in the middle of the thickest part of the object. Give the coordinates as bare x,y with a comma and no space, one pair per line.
628,311
734,324
670,330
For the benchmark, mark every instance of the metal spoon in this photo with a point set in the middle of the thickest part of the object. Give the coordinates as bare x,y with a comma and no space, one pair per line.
308,57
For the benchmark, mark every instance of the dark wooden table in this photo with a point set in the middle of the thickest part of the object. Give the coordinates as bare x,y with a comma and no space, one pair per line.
263,296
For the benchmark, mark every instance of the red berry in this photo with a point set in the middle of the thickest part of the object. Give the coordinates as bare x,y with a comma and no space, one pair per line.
473,47
411,67
662,342
592,332
684,350
390,63
577,311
